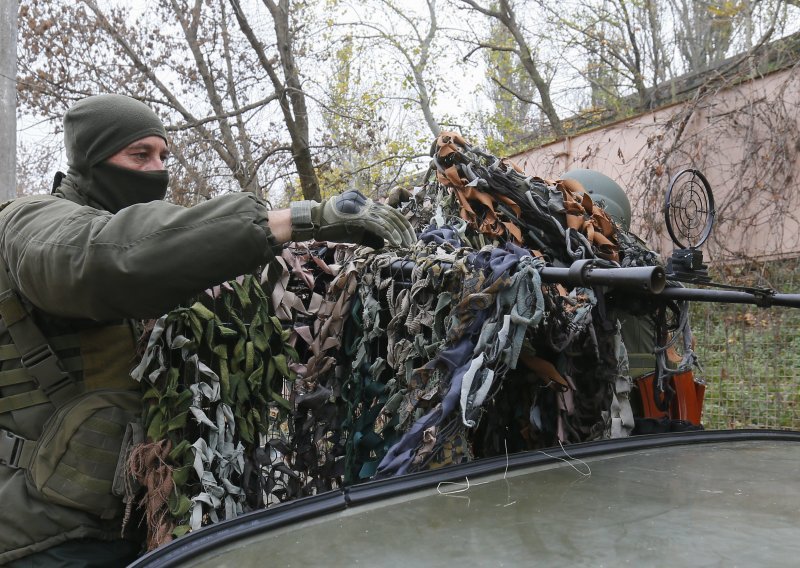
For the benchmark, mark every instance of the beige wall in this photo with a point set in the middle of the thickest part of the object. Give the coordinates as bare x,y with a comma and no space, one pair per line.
743,138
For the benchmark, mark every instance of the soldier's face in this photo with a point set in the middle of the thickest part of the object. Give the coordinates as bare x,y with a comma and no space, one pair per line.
145,155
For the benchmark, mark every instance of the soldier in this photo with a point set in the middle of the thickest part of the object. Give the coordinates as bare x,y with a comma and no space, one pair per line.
79,266
637,321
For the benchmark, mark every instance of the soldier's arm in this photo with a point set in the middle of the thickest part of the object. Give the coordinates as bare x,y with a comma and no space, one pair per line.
75,261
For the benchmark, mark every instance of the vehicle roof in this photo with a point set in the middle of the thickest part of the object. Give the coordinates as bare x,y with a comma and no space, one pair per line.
712,499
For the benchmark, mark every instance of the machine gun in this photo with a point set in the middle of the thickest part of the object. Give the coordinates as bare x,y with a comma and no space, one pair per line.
640,280
689,213
661,358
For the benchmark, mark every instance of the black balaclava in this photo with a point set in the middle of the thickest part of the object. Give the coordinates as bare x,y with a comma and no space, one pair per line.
96,128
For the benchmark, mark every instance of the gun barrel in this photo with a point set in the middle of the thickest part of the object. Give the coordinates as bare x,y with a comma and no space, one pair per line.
582,273
731,297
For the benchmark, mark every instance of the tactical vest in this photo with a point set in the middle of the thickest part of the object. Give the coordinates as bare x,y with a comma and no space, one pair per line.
67,402
638,334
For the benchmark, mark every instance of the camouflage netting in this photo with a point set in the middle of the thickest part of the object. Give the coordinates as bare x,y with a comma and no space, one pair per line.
361,364
217,387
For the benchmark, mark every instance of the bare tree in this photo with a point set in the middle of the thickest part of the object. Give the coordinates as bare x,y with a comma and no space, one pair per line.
287,84
367,141
199,63
621,43
628,47
709,31
504,13
8,106
509,118
409,39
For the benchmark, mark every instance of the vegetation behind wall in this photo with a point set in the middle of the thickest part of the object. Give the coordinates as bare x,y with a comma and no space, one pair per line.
751,355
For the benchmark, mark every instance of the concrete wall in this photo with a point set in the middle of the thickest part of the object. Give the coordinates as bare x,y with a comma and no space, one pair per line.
744,138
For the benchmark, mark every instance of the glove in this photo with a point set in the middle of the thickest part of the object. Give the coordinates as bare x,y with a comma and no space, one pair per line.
350,218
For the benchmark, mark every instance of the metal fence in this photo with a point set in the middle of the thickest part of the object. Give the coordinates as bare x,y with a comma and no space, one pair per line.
751,356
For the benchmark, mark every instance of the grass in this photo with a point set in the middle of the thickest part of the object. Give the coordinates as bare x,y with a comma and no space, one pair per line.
750,355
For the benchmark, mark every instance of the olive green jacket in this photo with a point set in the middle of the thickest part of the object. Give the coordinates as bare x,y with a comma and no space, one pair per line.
81,267
75,261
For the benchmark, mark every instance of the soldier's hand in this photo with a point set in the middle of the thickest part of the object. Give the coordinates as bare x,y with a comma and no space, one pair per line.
351,218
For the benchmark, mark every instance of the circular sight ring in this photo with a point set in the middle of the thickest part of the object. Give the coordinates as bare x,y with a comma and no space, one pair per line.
711,213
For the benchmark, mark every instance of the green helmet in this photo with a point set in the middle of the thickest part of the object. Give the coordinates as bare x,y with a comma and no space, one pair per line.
605,192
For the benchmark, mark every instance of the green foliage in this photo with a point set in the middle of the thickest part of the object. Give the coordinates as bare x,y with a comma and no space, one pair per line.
364,151
509,117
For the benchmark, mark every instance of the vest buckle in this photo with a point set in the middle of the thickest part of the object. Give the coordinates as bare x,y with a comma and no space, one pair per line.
10,448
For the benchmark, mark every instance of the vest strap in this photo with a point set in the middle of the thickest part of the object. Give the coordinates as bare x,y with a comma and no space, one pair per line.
59,343
14,377
641,364
11,309
22,400
37,357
